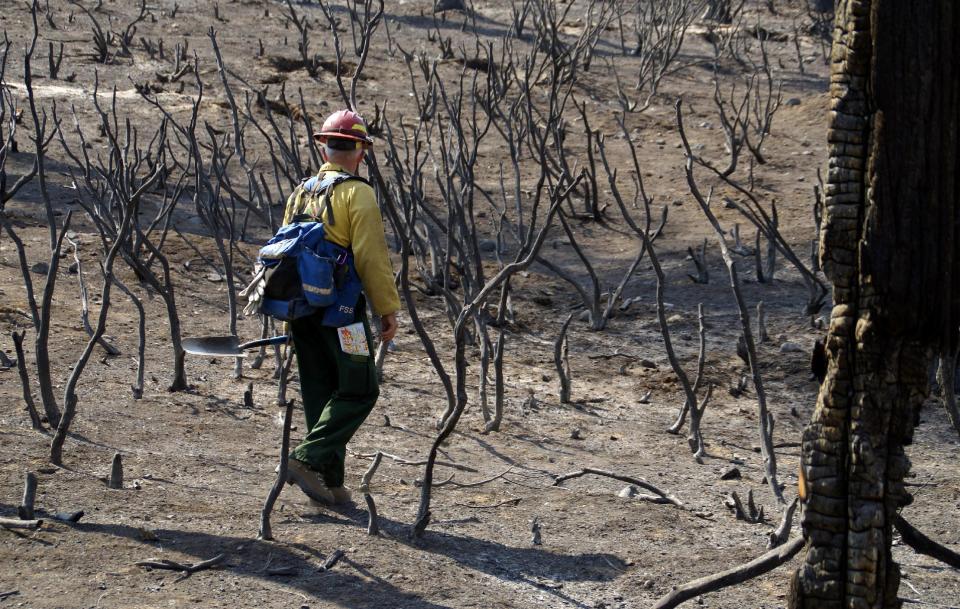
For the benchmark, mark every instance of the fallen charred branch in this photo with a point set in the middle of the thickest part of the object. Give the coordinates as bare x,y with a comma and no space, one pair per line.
15,523
187,569
450,481
737,575
332,560
924,545
664,497
71,517
402,461
511,502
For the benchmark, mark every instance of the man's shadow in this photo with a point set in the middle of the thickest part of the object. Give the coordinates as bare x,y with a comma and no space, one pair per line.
531,564
535,566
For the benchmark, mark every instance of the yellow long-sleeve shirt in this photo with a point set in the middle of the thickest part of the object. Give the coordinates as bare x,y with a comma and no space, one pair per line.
357,224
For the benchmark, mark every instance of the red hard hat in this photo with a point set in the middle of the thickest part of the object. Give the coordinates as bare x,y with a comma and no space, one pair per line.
345,124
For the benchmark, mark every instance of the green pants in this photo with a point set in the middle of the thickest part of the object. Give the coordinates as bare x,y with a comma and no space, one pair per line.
339,391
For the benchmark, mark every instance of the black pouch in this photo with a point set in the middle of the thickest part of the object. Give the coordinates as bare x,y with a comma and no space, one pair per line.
283,281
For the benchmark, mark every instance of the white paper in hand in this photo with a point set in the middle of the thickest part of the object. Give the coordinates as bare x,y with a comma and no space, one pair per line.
353,340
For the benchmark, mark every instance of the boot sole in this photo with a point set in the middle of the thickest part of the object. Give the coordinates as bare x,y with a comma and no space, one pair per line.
292,479
313,496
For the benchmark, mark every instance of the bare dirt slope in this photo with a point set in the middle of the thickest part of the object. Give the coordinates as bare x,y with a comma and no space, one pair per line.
199,463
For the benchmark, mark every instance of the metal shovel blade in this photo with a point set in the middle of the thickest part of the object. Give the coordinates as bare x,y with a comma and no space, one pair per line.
221,346
227,346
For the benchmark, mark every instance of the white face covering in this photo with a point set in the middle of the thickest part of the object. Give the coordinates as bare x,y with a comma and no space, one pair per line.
338,156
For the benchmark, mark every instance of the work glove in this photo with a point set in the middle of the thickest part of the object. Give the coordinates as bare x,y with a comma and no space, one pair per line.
254,290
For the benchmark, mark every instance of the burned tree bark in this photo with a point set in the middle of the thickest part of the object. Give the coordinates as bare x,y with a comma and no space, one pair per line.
890,248
947,380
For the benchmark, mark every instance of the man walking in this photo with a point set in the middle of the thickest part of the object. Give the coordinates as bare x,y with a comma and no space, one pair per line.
338,382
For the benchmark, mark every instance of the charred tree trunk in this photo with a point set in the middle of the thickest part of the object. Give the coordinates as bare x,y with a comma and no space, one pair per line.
721,11
890,248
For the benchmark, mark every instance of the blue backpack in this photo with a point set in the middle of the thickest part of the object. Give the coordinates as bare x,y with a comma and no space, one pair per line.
305,273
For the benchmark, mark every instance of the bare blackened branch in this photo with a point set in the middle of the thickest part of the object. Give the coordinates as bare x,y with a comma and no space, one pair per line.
310,61
35,420
561,360
41,138
84,303
266,532
25,509
762,335
765,223
373,526
779,536
592,298
659,31
101,39
137,388
53,63
750,513
498,389
738,247
695,437
115,479
525,258
699,257
766,419
126,37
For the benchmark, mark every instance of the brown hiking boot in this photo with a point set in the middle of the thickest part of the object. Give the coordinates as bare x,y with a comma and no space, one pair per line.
341,494
309,481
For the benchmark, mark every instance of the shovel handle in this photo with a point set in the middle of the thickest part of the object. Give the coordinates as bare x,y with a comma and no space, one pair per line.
262,342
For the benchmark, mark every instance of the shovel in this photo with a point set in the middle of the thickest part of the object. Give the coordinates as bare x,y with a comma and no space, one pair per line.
227,346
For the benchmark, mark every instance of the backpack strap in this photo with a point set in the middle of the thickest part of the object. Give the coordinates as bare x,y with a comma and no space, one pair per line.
324,186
